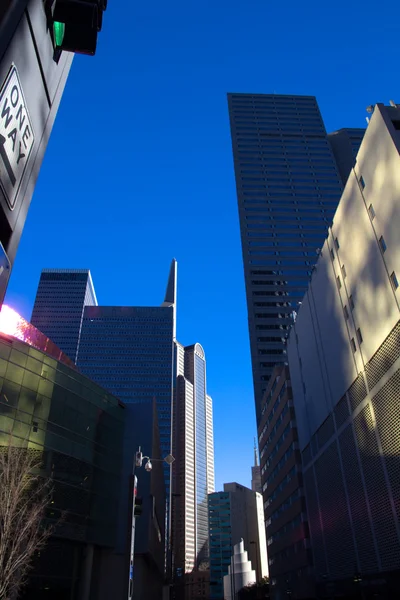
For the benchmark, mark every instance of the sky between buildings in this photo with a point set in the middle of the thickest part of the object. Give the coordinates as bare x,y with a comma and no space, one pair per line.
139,166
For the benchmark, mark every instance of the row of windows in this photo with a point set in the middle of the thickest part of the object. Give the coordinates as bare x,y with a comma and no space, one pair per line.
273,411
276,447
279,489
280,465
284,506
285,529
274,430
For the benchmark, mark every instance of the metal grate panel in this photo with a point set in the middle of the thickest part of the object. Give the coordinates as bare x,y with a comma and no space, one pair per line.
341,412
387,414
335,515
358,503
326,431
357,392
384,358
381,511
316,533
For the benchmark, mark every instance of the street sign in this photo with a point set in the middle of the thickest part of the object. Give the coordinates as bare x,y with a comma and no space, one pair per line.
16,136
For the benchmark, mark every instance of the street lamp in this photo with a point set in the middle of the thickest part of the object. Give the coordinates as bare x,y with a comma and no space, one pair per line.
137,463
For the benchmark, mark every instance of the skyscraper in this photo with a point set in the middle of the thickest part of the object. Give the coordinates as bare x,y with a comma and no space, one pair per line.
193,469
129,351
235,513
59,304
344,358
288,187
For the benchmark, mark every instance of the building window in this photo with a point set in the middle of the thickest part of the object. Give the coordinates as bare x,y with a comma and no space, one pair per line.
371,212
353,345
394,281
343,272
382,244
35,426
362,182
359,336
339,283
332,254
337,244
351,302
346,312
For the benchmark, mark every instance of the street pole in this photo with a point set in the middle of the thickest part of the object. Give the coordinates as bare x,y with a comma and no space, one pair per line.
133,526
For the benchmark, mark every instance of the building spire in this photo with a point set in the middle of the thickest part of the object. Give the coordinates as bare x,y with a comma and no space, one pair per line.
255,454
170,293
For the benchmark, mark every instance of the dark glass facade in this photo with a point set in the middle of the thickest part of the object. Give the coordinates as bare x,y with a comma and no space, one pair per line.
77,428
58,310
288,188
219,507
129,351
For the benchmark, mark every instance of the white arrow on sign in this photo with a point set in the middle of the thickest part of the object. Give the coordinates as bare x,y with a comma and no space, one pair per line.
16,136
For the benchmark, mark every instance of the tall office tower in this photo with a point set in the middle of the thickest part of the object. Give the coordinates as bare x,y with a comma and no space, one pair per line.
288,540
129,351
344,358
256,472
235,513
345,144
59,304
288,187
193,469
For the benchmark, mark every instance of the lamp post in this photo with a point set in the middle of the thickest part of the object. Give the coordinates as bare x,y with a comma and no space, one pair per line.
137,463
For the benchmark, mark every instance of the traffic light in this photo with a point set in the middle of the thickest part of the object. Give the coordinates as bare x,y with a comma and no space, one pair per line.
138,506
74,24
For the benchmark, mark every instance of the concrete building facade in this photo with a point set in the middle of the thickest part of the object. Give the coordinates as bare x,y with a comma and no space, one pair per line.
288,187
235,513
256,472
344,357
288,543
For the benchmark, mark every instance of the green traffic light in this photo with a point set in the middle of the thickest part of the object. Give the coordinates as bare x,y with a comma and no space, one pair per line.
59,31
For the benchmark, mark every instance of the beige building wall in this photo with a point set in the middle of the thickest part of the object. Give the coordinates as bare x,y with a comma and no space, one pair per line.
344,360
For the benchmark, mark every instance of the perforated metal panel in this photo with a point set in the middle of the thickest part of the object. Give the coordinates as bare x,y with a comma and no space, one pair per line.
384,358
357,392
326,431
357,501
314,523
381,511
341,412
335,515
386,405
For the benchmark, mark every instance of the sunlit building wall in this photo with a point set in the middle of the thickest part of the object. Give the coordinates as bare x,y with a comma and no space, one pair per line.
193,469
344,358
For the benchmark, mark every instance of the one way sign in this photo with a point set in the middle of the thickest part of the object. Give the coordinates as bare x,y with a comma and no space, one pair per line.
16,136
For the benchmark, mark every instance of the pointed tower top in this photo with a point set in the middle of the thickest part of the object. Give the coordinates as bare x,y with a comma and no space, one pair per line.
170,293
255,454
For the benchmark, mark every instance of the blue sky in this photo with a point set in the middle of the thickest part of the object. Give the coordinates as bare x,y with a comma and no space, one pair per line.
139,168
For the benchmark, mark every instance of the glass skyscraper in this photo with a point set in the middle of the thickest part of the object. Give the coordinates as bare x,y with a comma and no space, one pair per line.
193,470
129,351
58,310
288,188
